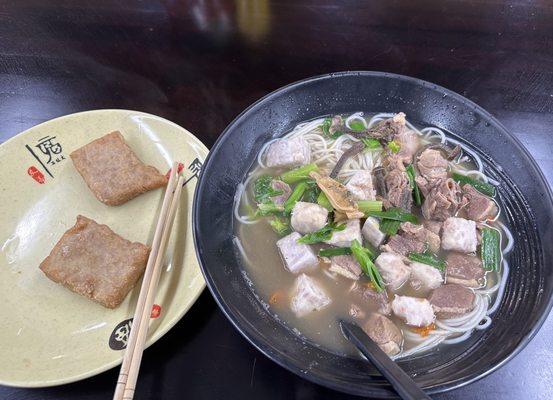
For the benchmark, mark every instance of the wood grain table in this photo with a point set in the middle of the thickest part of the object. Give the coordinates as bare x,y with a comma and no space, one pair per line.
199,63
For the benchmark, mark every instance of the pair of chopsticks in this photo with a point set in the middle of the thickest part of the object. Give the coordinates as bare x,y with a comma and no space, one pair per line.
128,375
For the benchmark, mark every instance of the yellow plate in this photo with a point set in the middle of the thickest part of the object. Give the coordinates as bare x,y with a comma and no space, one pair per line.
50,335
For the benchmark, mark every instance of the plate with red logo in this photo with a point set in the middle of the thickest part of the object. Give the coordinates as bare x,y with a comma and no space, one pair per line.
50,335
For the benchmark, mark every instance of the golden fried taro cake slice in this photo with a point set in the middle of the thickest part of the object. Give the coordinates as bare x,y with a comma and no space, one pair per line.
92,260
113,172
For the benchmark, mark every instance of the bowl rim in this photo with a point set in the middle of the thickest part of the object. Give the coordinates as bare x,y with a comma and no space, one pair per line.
270,351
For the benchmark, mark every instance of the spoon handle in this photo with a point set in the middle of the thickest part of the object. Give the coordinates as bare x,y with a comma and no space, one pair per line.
405,387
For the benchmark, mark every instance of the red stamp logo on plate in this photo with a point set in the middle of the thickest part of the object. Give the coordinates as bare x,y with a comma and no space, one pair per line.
36,174
156,311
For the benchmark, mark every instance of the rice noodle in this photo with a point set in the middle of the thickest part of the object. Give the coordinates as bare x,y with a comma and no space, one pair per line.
325,152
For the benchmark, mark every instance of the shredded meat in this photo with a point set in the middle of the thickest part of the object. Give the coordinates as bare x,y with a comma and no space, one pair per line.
421,234
478,207
403,245
388,129
336,124
432,165
442,200
398,190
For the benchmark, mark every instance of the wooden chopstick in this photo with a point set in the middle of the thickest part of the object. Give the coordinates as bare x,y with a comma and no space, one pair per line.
135,344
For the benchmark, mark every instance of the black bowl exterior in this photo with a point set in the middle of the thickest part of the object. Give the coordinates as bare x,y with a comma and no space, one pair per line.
526,200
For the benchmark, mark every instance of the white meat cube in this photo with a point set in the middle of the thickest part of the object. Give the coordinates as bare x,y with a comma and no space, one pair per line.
308,217
308,296
344,238
459,234
424,277
413,310
346,266
372,233
288,153
297,257
393,270
360,186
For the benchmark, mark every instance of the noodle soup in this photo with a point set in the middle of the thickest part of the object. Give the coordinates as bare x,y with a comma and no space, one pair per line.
369,219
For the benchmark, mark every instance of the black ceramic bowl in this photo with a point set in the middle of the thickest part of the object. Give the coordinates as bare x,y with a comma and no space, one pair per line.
525,196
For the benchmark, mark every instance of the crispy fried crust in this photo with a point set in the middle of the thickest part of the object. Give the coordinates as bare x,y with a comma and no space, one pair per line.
92,260
113,172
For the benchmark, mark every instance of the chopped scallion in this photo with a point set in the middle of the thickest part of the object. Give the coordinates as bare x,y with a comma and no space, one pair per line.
362,255
298,174
334,251
416,192
482,187
396,214
367,206
490,250
427,258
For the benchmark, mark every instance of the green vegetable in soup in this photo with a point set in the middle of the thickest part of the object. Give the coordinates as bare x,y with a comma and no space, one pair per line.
427,258
482,187
357,125
396,214
367,206
334,251
416,192
394,146
325,233
389,226
363,257
371,144
323,201
268,208
490,250
298,174
263,189
295,196
280,225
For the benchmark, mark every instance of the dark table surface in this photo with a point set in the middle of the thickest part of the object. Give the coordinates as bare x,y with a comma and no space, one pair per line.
199,63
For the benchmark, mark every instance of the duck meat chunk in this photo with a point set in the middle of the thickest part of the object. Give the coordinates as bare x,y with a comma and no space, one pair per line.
421,234
346,266
464,269
433,226
398,189
414,311
478,207
388,129
368,294
372,233
403,245
424,277
297,257
459,234
360,186
286,153
308,217
452,300
384,333
308,296
432,165
393,270
284,188
409,143
442,200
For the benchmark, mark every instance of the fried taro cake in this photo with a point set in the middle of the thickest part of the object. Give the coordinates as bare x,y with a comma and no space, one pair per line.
113,172
92,260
